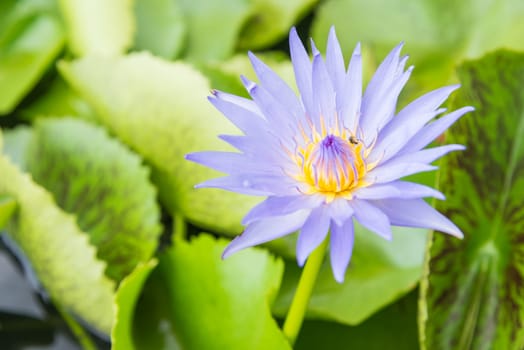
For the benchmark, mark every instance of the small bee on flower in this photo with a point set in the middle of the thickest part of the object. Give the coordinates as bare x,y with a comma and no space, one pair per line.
353,140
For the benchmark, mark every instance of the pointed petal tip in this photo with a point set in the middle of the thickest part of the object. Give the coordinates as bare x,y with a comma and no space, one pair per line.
388,237
396,50
358,48
314,49
252,56
448,227
215,94
333,36
226,253
338,277
450,88
454,231
192,157
301,260
232,248
197,157
440,196
461,111
294,39
245,80
248,84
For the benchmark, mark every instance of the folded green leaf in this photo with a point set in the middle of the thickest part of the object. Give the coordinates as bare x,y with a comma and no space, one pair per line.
161,27
15,145
213,27
57,100
125,301
225,75
30,40
58,250
159,108
213,303
271,20
99,26
473,288
7,209
104,184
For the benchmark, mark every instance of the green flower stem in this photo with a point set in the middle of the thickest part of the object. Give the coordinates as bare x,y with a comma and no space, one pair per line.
179,228
297,310
79,332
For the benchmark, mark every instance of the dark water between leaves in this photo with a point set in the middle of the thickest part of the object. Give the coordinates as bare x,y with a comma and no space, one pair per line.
27,320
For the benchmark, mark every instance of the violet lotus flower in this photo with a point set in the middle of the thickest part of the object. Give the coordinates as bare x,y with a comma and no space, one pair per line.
332,154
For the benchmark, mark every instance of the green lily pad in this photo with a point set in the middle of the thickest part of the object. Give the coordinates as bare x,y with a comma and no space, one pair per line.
472,288
437,33
395,324
104,184
211,303
160,110
99,26
58,250
217,28
30,40
238,65
152,326
58,100
125,301
160,28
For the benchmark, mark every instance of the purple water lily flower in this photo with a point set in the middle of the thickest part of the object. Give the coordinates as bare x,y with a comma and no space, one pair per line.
331,155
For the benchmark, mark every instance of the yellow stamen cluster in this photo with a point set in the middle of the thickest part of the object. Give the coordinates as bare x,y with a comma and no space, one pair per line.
332,162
